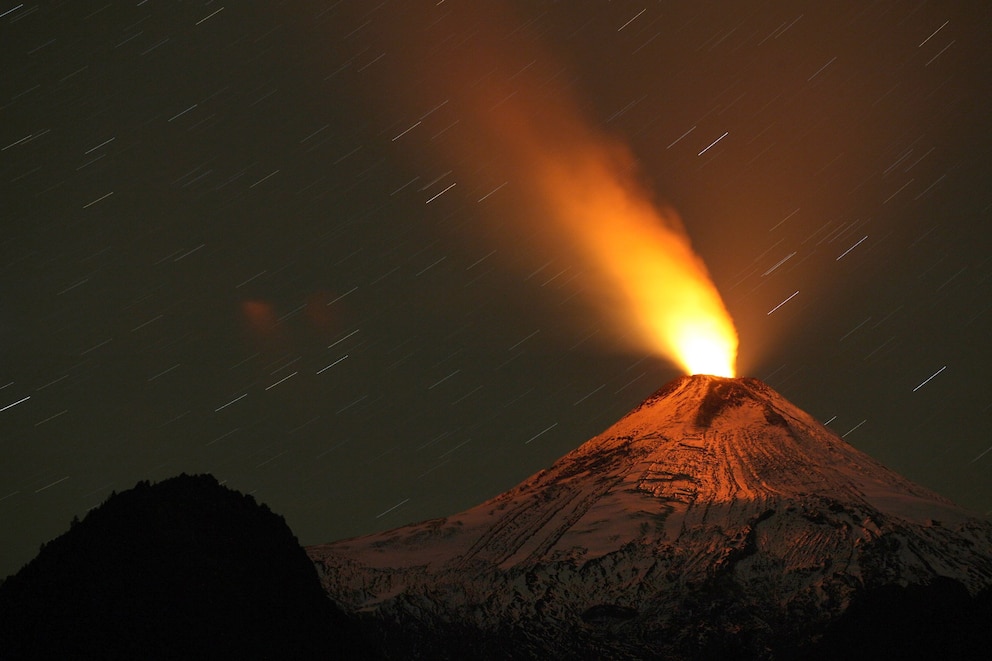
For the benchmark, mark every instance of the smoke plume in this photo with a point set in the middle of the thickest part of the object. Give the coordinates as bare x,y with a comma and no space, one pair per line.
516,116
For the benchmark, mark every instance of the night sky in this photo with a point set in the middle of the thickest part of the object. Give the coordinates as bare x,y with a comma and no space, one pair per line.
271,242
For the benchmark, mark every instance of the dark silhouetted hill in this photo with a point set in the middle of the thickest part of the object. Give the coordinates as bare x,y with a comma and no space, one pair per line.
182,569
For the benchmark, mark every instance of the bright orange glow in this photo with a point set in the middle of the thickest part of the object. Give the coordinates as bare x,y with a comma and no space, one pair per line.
566,191
641,269
643,254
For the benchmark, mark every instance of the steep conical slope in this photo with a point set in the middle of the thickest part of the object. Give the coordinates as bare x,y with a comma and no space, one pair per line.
714,496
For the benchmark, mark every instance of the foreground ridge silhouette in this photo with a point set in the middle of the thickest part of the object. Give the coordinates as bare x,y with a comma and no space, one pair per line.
182,569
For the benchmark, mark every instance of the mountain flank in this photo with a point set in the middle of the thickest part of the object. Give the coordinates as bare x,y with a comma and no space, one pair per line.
715,520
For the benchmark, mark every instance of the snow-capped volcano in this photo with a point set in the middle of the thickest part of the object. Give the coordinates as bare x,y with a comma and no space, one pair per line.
715,507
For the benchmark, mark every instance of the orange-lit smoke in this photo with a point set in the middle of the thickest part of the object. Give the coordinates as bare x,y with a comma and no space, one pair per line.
261,326
644,273
266,331
581,190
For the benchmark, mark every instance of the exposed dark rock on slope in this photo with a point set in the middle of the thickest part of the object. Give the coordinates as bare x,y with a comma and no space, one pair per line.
716,520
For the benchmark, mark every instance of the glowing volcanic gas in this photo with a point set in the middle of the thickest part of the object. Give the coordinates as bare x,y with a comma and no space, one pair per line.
575,191
647,276
638,262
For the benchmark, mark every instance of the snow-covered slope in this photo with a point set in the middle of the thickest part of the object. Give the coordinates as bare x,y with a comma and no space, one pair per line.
713,496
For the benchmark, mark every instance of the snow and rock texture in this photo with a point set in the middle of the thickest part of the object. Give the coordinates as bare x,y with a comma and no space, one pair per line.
716,518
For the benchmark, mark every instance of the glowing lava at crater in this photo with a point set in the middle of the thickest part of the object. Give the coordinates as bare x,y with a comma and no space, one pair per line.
708,348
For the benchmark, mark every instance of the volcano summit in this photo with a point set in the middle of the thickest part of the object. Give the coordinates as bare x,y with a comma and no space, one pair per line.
715,519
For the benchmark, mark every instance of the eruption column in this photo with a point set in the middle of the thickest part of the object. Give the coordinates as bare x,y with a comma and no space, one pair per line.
580,187
640,268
